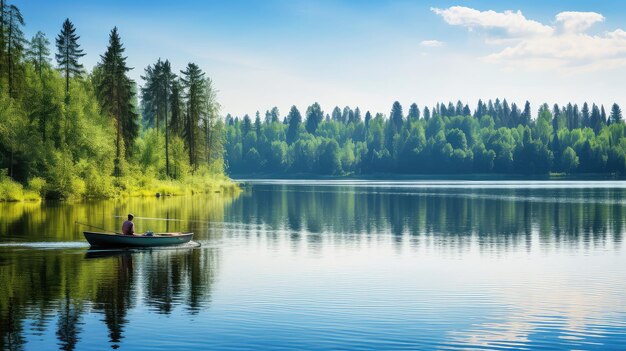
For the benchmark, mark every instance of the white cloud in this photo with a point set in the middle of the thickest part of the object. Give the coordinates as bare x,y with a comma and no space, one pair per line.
529,44
431,43
509,23
578,22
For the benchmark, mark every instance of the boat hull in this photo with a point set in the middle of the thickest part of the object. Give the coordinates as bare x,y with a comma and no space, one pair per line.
118,240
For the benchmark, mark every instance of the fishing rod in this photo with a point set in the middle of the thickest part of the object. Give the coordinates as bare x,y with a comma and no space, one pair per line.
94,226
193,221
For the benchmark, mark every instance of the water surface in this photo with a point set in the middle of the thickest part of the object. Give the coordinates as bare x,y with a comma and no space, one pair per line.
327,265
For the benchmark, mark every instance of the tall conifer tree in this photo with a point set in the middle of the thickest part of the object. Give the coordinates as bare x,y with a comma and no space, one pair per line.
116,92
69,53
193,82
14,42
38,52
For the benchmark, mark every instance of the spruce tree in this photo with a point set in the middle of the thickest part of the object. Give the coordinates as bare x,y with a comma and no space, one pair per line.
526,114
414,112
176,107
14,42
257,125
466,110
616,113
294,119
116,93
356,117
38,52
195,95
314,116
368,118
586,117
336,115
426,113
246,125
69,53
396,117
275,114
155,100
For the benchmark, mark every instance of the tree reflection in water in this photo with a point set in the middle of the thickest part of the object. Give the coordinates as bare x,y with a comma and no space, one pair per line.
63,287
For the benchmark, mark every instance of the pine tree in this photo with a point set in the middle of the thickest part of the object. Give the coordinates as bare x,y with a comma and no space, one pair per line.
506,114
396,116
38,52
246,125
116,92
156,100
466,110
356,116
14,42
257,125
195,95
176,107
616,114
3,18
426,113
586,117
275,114
526,114
68,53
213,127
595,121
345,114
414,112
459,108
576,117
514,116
294,119
336,115
314,116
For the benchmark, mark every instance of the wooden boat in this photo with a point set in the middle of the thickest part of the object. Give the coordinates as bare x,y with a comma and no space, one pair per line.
100,239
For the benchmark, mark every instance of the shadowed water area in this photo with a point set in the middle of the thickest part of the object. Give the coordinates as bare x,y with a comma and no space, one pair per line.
326,265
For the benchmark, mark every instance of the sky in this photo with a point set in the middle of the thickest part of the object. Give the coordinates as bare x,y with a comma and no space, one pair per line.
362,53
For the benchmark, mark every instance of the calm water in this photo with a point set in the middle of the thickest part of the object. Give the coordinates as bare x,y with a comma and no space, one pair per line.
327,265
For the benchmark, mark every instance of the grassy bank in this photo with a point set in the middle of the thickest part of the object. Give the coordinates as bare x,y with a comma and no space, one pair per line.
108,187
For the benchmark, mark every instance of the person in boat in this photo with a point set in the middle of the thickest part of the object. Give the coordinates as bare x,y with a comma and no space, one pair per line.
128,228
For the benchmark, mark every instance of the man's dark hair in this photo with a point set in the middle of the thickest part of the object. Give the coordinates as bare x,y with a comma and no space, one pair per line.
130,217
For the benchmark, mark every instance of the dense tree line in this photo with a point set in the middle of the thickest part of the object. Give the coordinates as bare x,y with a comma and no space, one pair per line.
496,137
67,131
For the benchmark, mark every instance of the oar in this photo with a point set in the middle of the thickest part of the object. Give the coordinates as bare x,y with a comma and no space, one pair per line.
93,226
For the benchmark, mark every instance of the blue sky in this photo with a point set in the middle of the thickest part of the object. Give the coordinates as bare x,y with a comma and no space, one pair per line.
364,53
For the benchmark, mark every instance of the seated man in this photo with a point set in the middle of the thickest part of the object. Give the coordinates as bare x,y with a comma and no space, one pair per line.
128,228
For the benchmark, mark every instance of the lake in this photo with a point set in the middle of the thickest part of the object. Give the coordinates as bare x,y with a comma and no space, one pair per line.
326,265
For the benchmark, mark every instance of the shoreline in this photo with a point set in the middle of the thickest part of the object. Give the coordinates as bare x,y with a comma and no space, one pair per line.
12,191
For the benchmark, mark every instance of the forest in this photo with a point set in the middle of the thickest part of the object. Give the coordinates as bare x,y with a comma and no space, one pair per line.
496,137
69,132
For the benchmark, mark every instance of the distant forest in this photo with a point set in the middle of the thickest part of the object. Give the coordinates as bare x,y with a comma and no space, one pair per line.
497,137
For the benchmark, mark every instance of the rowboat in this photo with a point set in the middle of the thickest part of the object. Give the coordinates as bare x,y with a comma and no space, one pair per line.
100,239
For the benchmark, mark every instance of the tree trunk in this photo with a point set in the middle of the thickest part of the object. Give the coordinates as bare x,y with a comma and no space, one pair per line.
167,154
11,165
189,135
10,59
2,44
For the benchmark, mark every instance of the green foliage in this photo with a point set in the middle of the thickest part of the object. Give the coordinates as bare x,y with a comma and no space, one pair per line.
569,160
69,52
498,138
68,135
